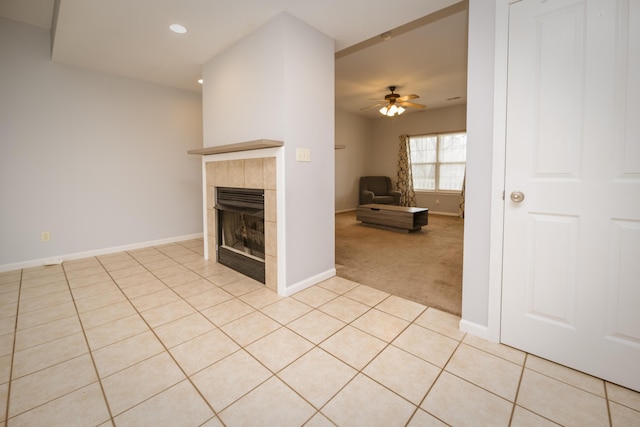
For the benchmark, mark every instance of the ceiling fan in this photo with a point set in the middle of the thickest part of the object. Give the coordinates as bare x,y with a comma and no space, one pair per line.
393,104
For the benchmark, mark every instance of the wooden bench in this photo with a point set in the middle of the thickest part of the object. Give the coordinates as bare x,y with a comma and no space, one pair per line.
390,217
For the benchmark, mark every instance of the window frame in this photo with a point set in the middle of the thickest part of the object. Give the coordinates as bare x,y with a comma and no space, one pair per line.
437,163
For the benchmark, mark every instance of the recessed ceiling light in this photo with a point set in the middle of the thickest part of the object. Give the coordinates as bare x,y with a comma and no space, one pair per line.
200,81
177,28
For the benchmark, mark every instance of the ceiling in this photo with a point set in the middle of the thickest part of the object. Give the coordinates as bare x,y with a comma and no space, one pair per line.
426,54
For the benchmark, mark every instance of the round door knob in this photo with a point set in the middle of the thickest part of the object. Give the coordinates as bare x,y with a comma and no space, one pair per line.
517,196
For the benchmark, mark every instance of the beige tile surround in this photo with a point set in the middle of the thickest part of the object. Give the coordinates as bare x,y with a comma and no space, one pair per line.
257,173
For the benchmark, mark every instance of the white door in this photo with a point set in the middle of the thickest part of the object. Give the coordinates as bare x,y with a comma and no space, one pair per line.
571,267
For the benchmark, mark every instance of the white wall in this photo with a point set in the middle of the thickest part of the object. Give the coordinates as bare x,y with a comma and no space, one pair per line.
355,133
243,91
282,81
99,161
309,75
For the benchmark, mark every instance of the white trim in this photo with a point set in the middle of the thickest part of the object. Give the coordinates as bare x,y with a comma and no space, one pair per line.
308,282
97,252
475,329
281,224
205,214
494,311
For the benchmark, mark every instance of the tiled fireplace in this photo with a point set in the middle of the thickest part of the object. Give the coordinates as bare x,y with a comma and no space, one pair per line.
252,173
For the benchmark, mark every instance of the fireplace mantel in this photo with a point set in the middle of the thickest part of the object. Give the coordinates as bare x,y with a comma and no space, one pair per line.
241,146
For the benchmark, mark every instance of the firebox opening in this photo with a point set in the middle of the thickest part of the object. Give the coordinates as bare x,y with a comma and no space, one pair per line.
241,230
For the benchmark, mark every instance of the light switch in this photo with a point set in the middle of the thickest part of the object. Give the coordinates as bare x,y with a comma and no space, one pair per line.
303,155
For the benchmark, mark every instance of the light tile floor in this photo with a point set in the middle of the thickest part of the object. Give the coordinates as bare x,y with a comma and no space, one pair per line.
158,336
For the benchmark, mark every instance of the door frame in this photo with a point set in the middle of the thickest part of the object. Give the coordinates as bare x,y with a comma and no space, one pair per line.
496,232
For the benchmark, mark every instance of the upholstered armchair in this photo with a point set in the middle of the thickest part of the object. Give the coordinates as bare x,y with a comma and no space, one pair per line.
378,189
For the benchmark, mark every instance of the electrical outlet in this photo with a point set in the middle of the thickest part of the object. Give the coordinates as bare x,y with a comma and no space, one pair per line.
437,202
45,236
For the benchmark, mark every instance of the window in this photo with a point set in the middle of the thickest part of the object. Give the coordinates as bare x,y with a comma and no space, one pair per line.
438,161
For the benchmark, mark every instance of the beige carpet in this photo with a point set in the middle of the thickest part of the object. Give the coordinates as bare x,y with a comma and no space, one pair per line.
425,266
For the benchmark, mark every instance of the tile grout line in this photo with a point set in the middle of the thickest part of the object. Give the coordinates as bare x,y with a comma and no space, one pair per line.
515,398
419,406
387,344
390,344
606,399
284,326
86,340
517,390
151,329
544,374
188,377
275,374
44,368
241,347
319,409
515,402
13,349
358,371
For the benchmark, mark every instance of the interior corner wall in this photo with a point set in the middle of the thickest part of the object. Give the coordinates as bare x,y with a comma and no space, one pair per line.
281,78
354,135
98,161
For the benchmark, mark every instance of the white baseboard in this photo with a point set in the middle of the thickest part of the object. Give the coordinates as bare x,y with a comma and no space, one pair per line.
443,213
475,329
307,283
96,252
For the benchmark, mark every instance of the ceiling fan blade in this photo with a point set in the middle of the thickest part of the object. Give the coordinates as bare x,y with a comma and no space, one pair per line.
373,106
408,97
411,104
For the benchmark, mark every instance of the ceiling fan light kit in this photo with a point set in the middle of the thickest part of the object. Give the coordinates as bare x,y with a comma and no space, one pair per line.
391,110
394,104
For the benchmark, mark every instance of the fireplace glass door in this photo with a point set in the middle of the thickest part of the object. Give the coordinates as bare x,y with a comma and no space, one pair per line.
241,231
